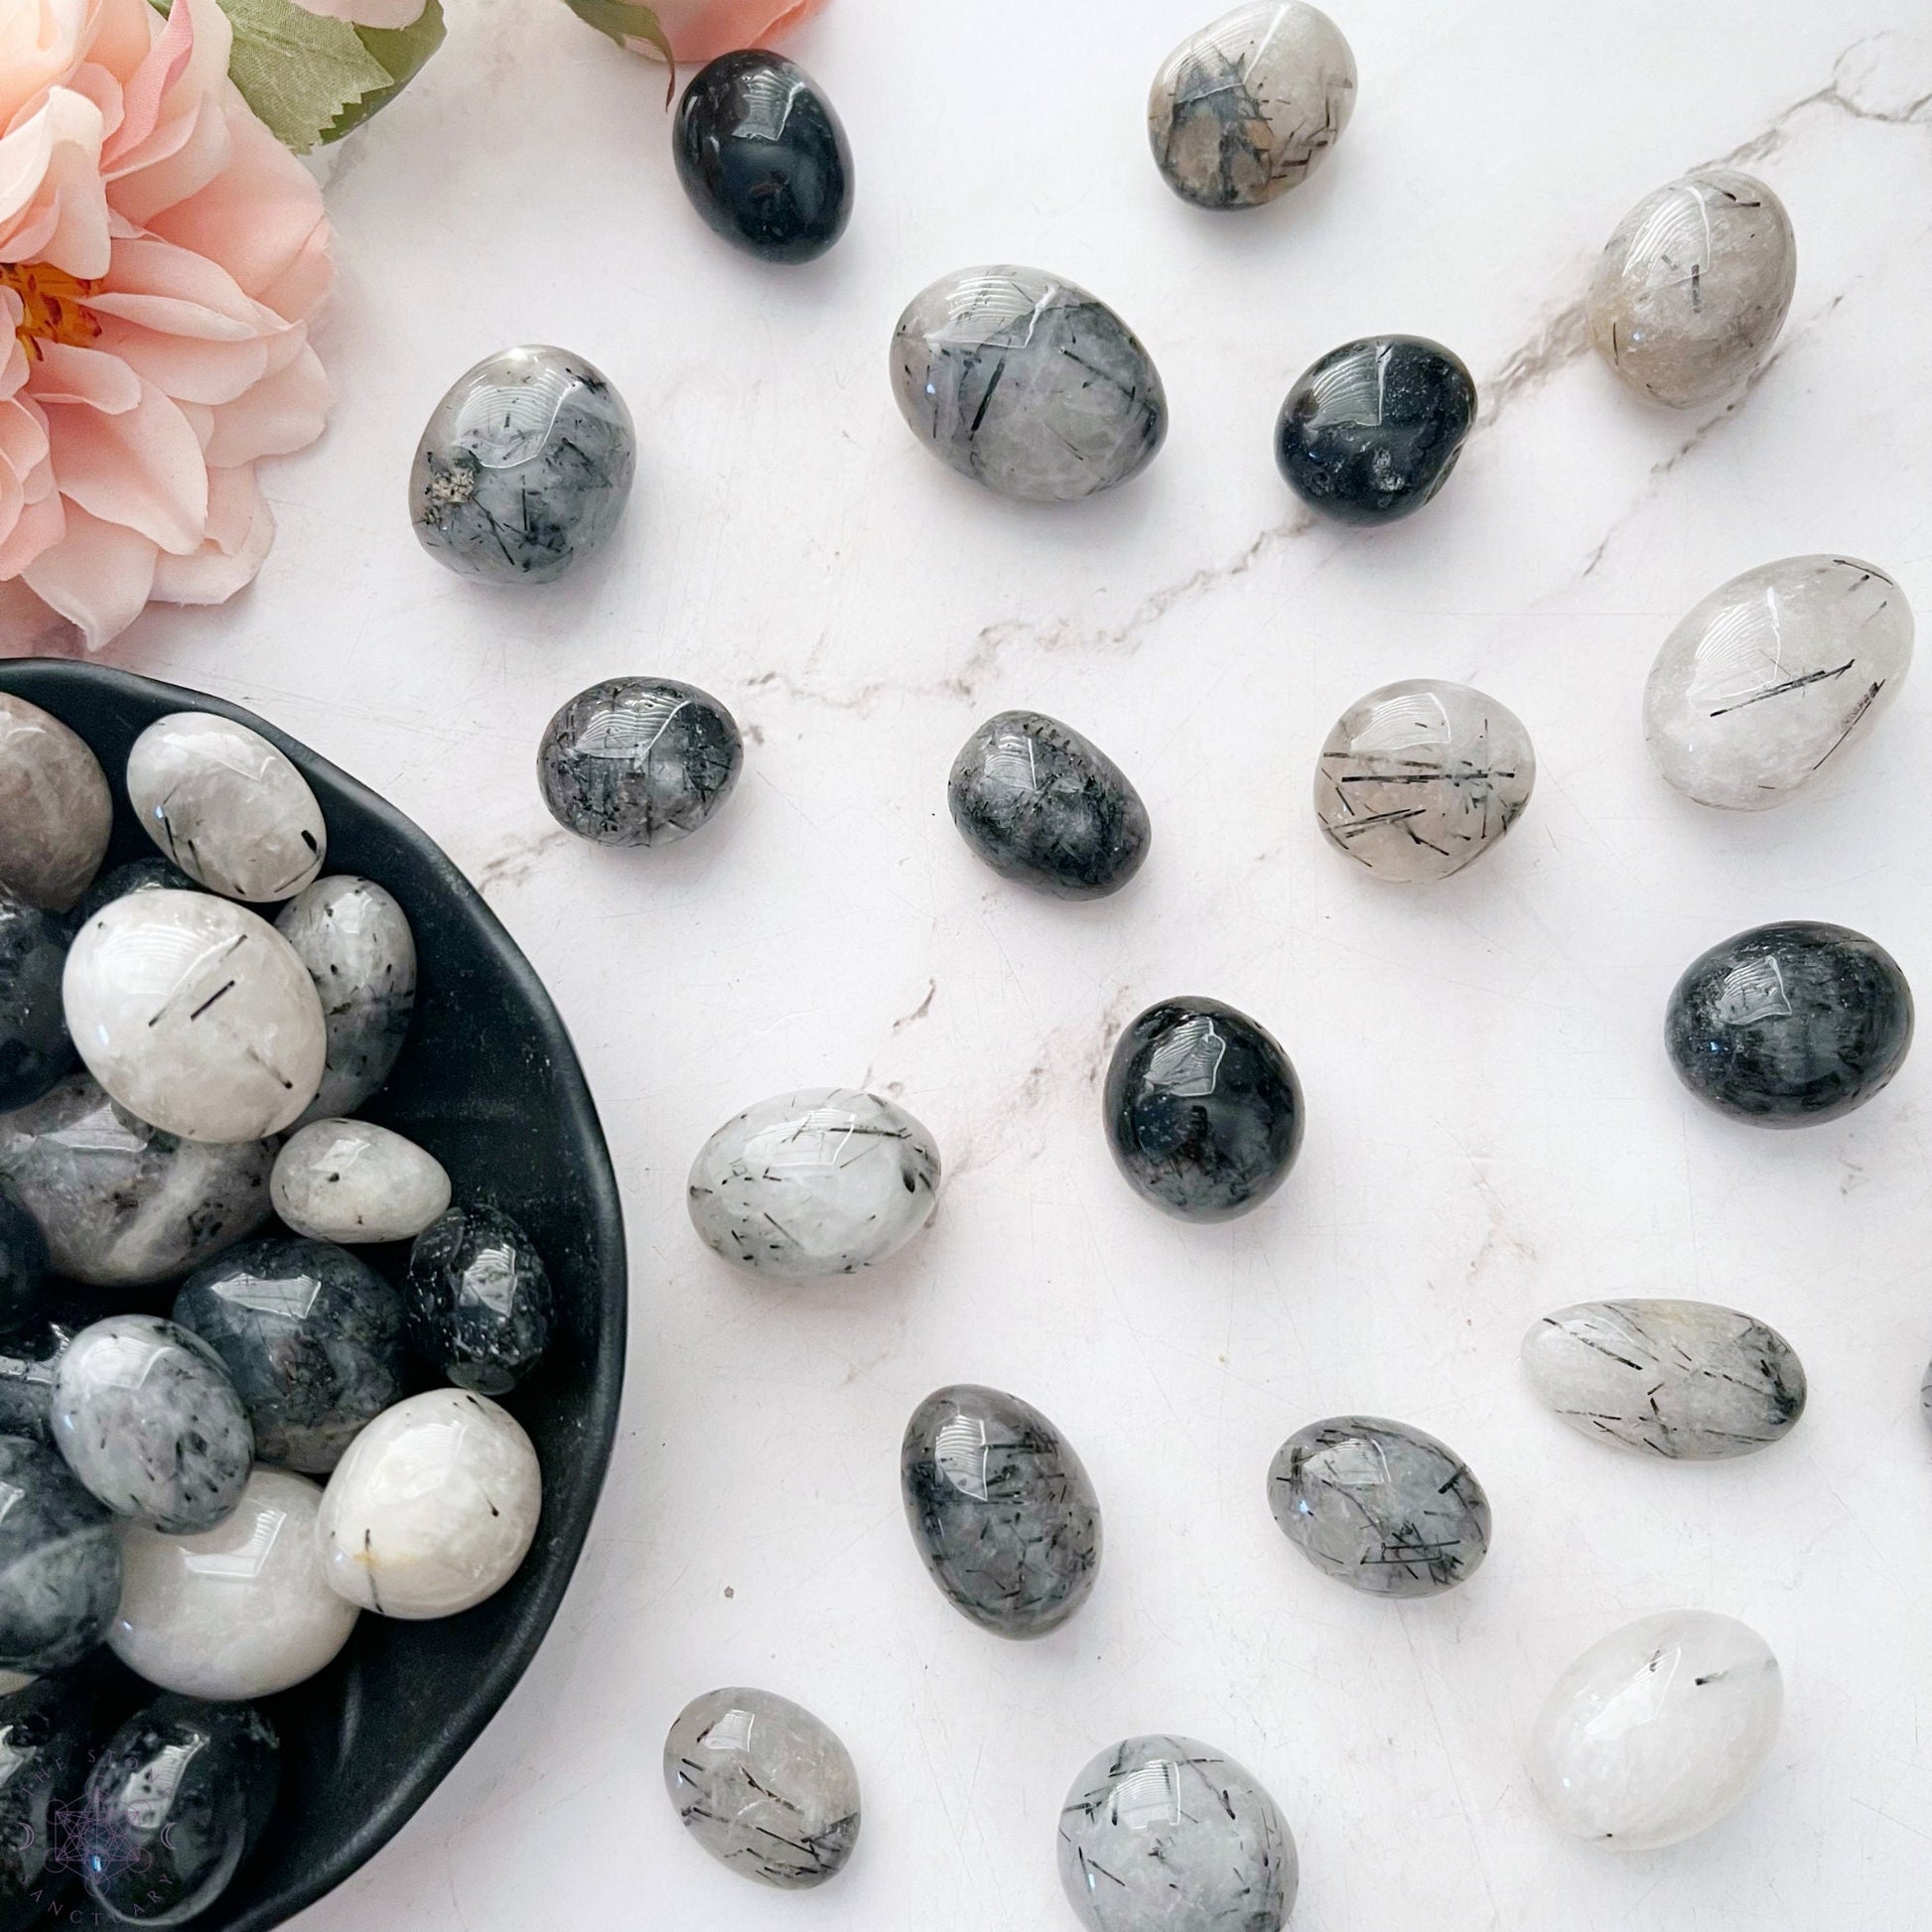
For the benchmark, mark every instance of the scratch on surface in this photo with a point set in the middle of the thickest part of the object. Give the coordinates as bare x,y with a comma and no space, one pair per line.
919,1011
517,861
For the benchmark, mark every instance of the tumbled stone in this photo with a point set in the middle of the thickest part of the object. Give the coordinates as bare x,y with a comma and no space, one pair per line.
28,1361
762,156
1680,1379
638,760
1002,1510
22,1267
35,1050
1773,676
120,1204
56,811
49,1732
1693,287
1370,432
1418,778
478,1299
1245,110
763,1786
195,1015
1657,1731
1380,1506
59,1561
241,1610
227,806
1043,805
817,1182
433,1508
356,941
1789,1025
1202,1108
311,1340
352,1182
1162,1834
175,1804
155,875
148,1419
1027,383
524,466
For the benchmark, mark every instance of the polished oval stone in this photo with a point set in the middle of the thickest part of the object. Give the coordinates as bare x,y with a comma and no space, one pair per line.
1657,1731
1773,676
356,941
1043,805
762,156
59,1561
1244,109
1163,1834
352,1182
195,1015
433,1508
225,806
120,1204
49,1732
311,1340
1027,383
479,1300
1380,1506
1789,1025
763,1786
1002,1510
638,760
35,1050
24,1291
241,1610
148,1419
155,875
1370,432
1693,287
56,810
524,468
1680,1379
175,1804
1418,778
1202,1108
819,1183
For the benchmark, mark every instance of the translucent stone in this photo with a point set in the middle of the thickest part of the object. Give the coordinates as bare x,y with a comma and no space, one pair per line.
1203,1110
227,807
56,810
241,1610
352,1182
1002,1510
433,1508
1657,1731
1244,109
1773,676
1044,806
1789,1025
1692,289
478,1299
524,468
1027,383
23,1268
49,1734
763,1786
1162,1834
1418,778
1680,1379
813,1184
1380,1506
59,1561
195,1015
35,1050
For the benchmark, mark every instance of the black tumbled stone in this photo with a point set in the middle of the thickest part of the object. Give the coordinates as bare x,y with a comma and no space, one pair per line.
59,1561
48,1734
479,1300
24,1294
35,1052
154,875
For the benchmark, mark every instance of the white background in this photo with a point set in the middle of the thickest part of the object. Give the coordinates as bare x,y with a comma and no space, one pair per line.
1493,1128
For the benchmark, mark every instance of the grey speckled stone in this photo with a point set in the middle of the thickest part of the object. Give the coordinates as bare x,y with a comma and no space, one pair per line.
479,1300
1027,383
1000,1508
638,760
1163,1834
1380,1506
1046,806
763,1786
56,810
59,1561
35,1050
148,1419
49,1732
352,1182
121,1203
524,468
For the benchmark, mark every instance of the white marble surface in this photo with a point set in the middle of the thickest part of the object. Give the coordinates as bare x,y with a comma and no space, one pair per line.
1494,1131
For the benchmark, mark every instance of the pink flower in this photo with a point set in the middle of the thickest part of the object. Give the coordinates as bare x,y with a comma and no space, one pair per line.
367,13
161,256
701,29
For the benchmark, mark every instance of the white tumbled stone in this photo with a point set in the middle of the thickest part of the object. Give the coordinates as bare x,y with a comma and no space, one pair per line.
350,1181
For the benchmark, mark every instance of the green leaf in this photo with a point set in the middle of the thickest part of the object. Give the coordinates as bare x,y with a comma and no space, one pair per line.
403,53
299,71
624,21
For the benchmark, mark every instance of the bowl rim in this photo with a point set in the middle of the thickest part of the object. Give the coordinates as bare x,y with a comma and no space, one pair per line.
578,1116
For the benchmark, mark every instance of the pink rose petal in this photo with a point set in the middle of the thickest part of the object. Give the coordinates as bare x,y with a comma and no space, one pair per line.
98,576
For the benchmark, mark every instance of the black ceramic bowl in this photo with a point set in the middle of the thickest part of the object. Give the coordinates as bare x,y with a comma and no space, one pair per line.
489,1083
